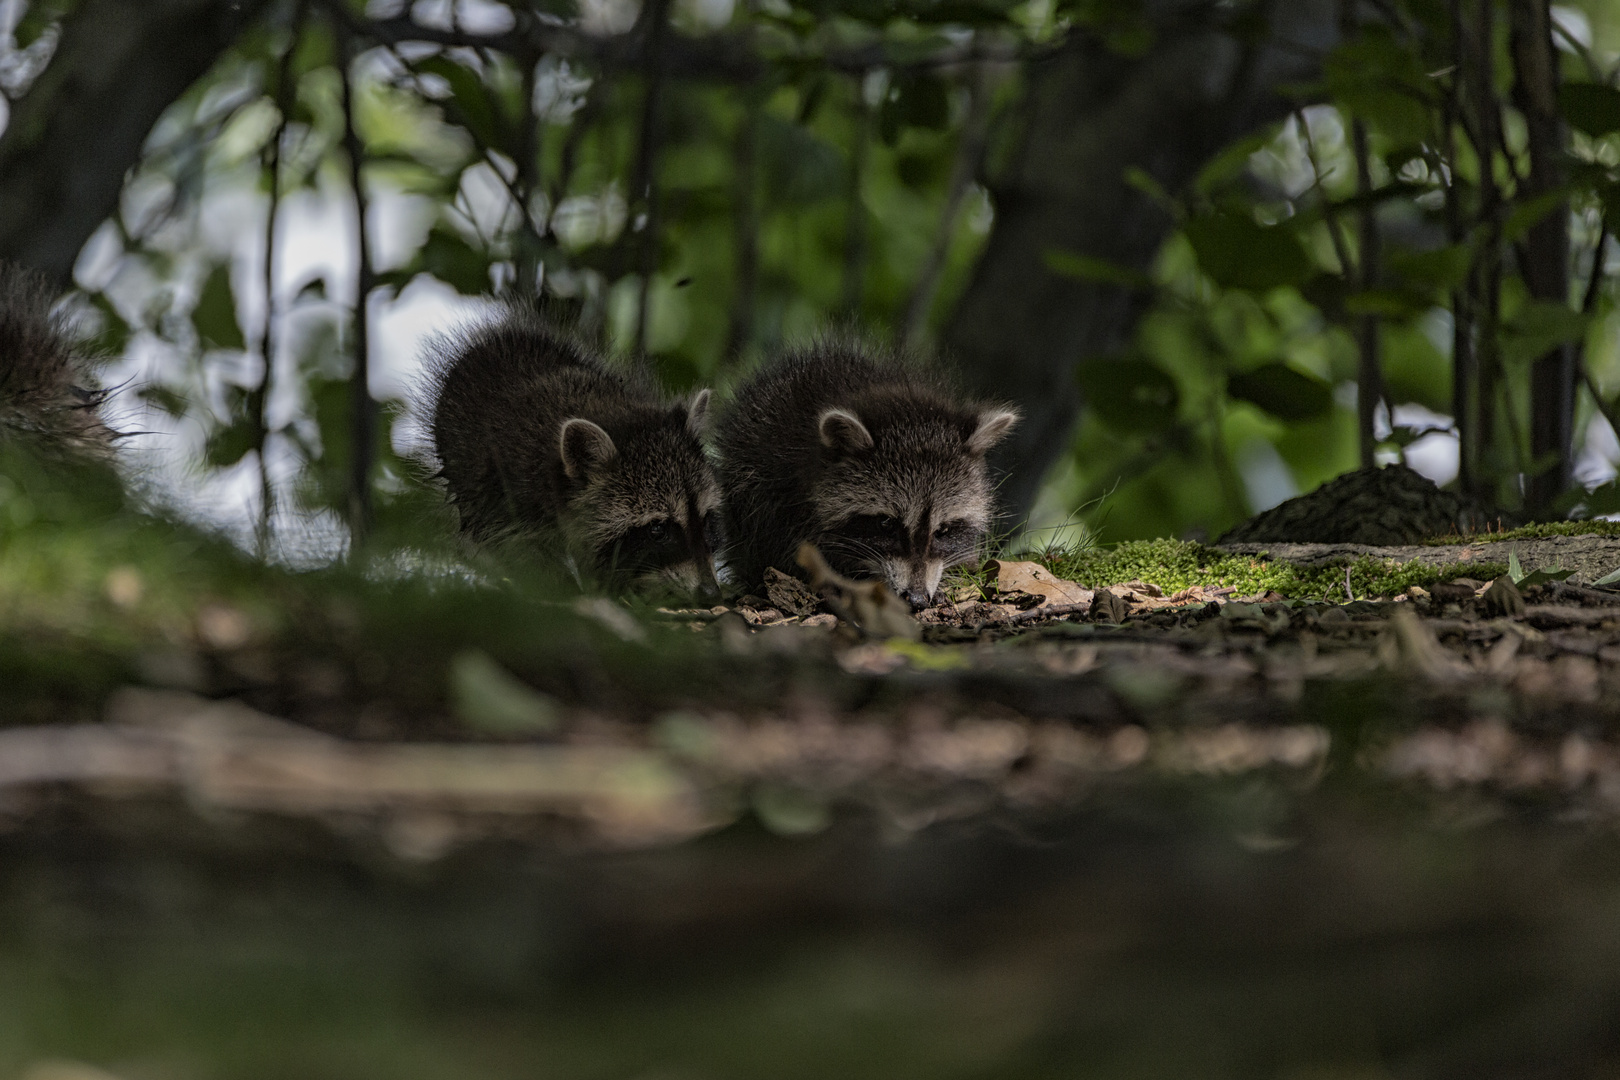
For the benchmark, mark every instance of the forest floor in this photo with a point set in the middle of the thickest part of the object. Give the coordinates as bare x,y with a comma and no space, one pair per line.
1157,809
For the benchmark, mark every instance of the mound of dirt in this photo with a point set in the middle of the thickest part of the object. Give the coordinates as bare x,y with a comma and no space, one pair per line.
1381,507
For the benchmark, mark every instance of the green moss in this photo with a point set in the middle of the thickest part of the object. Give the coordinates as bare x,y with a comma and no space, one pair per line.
1534,532
1174,565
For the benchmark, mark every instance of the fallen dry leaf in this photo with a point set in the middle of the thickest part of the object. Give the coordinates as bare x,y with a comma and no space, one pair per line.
1033,578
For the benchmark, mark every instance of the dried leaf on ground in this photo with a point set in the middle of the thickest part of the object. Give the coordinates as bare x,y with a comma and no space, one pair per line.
1037,580
869,606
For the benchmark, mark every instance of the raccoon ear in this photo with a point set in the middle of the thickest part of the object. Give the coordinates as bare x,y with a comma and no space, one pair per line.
843,432
697,413
994,424
585,447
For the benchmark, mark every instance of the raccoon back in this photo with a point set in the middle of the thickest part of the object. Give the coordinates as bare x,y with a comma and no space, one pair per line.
47,398
500,394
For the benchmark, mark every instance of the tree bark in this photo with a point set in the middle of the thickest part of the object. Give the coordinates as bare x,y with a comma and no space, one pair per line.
1091,114
1546,250
81,126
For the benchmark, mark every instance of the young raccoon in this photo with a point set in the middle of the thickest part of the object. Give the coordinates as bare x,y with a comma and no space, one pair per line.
536,435
875,461
43,397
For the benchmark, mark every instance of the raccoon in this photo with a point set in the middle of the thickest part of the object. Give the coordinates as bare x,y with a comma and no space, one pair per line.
46,397
873,459
535,435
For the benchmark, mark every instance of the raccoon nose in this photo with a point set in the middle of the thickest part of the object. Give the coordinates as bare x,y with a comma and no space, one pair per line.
708,591
917,599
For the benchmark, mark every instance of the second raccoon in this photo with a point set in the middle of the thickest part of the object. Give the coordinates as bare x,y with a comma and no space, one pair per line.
876,461
535,435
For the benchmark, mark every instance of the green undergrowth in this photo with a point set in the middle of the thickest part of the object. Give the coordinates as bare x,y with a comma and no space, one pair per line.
1542,531
96,593
1174,565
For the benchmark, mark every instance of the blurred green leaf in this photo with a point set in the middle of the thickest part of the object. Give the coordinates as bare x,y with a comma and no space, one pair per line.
114,333
455,262
167,398
1283,392
215,313
1090,268
1539,327
1529,213
1379,77
1237,253
798,167
1591,108
1610,578
487,697
1130,394
471,99
1443,268
1386,303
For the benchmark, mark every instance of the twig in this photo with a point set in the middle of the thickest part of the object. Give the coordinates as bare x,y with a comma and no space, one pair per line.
643,179
362,410
1048,611
1329,213
969,155
855,223
259,397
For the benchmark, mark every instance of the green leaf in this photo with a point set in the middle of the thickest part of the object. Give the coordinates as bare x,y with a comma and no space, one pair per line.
1534,577
1386,303
1237,253
1610,578
38,17
1283,392
230,444
1538,328
1443,268
1090,268
1379,78
489,698
798,167
1531,212
115,331
215,313
167,398
470,98
1129,394
455,262
1591,108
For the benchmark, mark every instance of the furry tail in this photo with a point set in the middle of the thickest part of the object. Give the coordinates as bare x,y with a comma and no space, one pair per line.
47,398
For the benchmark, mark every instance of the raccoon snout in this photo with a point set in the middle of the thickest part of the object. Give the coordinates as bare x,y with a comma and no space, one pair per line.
917,599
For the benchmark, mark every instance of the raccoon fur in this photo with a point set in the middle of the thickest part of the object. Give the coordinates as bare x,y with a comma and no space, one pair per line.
47,399
873,459
535,435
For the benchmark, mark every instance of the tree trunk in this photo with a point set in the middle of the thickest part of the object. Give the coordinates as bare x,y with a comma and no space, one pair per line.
81,126
1546,251
1091,114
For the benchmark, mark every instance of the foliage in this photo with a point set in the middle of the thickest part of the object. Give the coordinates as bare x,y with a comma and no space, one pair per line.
697,183
1271,316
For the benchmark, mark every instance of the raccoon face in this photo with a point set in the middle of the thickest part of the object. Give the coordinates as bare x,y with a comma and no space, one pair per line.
904,503
647,508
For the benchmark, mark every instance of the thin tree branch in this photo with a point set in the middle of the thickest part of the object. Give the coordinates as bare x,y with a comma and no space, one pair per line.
855,220
644,178
969,155
362,410
259,397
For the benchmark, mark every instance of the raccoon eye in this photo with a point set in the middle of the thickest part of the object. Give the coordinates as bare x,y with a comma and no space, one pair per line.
659,532
873,525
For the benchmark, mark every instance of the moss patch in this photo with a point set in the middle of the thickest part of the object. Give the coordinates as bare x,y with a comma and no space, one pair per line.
1174,565
1533,532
